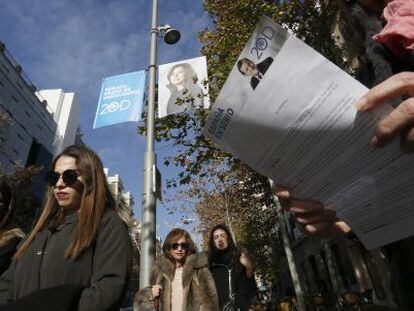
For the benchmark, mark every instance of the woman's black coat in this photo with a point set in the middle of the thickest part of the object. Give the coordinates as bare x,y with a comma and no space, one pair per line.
103,269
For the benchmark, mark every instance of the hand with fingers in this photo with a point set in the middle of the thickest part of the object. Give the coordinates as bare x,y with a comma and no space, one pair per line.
313,218
246,262
156,291
400,121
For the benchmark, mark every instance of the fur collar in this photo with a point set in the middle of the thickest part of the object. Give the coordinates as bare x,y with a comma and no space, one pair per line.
193,262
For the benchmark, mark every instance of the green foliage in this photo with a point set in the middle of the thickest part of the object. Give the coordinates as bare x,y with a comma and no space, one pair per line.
21,180
25,204
210,180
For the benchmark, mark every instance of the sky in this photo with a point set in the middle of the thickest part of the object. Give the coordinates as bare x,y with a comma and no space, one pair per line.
73,44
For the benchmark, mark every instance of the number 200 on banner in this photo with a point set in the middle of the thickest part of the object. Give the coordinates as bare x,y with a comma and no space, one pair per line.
115,106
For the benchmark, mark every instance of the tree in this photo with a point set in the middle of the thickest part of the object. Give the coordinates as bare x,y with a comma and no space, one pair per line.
233,22
210,179
21,179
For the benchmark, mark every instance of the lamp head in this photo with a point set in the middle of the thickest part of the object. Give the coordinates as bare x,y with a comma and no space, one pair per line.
172,36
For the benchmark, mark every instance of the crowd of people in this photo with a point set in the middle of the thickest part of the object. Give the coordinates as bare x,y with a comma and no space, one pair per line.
78,255
219,279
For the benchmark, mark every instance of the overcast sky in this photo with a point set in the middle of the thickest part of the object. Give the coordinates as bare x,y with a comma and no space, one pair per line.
73,44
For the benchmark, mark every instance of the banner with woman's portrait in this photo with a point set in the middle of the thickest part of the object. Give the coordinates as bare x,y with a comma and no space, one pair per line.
182,86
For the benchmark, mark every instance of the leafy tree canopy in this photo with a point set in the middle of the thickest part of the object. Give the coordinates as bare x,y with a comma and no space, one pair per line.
218,186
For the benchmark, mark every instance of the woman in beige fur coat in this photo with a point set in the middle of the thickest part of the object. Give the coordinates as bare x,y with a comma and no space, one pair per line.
181,279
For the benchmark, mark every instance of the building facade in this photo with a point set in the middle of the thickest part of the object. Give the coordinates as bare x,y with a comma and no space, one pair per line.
39,123
29,136
334,266
124,199
66,110
125,208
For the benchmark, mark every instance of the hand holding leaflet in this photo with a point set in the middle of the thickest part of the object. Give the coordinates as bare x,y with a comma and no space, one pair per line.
299,126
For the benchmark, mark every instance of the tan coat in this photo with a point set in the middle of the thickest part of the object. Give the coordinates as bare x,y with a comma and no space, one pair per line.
200,292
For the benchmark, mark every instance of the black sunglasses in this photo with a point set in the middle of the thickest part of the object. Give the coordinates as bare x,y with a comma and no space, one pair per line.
69,177
185,246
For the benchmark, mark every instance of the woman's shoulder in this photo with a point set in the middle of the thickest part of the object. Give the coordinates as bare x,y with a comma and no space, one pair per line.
111,219
198,260
162,261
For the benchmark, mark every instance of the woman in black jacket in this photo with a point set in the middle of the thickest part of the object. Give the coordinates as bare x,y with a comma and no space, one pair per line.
232,271
79,238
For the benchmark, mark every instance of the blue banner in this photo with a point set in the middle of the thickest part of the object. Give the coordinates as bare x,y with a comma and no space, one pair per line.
121,99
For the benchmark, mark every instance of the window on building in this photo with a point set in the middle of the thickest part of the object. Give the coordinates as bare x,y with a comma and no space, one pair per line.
5,68
344,265
314,266
20,136
15,151
27,113
38,126
326,270
1,83
40,157
305,276
15,99
375,272
10,114
20,86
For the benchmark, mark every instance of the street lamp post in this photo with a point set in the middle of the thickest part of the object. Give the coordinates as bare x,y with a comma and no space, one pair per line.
148,211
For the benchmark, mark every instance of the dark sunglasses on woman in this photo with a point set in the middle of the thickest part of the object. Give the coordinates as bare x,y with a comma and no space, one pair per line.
185,246
69,177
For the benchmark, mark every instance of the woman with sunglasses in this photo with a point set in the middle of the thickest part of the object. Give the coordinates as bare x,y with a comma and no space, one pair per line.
181,279
78,240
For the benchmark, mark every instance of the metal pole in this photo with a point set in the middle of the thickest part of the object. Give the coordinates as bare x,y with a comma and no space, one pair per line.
289,255
148,212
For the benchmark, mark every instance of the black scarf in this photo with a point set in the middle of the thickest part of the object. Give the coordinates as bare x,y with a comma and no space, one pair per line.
220,262
223,257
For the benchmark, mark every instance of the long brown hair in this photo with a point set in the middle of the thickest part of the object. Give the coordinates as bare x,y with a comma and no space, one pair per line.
96,197
173,237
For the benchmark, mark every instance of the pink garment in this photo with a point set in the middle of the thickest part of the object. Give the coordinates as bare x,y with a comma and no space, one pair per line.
398,33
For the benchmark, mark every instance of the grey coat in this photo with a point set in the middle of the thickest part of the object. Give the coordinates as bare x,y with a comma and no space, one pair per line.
103,269
200,292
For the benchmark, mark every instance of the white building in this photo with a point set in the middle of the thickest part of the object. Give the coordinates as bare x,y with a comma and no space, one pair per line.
41,123
66,109
124,199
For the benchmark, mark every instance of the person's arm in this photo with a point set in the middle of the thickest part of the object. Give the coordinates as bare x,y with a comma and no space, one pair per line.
312,217
247,281
111,267
144,298
246,263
